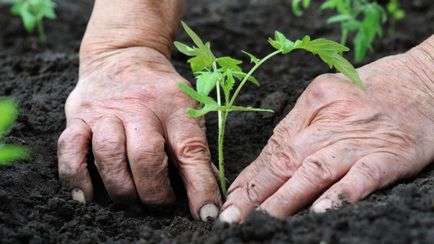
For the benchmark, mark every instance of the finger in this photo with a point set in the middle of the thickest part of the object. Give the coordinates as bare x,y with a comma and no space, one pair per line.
291,125
108,145
285,158
148,161
72,149
368,174
316,173
188,144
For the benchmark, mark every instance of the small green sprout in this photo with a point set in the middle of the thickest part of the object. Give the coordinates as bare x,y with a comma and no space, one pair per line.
364,18
226,77
32,13
8,115
366,28
395,14
297,4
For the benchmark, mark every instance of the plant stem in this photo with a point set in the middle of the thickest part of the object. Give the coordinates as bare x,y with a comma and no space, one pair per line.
344,37
231,103
41,32
221,136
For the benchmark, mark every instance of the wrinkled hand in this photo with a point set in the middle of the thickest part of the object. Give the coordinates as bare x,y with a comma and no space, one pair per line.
128,108
341,143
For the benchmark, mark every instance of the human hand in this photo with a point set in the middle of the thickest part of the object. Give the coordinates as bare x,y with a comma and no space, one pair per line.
341,143
128,107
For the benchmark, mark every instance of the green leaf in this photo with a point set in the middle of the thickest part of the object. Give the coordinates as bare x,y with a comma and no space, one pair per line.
280,42
183,48
229,82
196,39
339,18
253,58
229,63
240,75
296,9
29,20
201,112
206,82
368,30
9,153
195,95
8,115
201,56
329,52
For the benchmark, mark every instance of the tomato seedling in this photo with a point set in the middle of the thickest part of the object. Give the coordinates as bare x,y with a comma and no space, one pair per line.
226,77
364,18
366,28
8,115
32,13
395,14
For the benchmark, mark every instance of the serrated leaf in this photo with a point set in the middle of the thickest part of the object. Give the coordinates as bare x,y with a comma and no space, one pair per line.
9,153
206,82
241,75
280,42
194,37
229,83
203,111
202,56
195,95
329,52
229,63
183,48
253,58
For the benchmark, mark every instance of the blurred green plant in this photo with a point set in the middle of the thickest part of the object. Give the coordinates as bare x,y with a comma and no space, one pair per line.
395,14
32,13
8,115
363,18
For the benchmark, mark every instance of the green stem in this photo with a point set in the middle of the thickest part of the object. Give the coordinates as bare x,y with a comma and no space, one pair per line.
221,135
263,60
41,32
344,37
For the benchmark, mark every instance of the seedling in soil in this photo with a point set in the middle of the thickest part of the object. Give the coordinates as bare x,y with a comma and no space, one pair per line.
362,17
8,115
226,77
395,14
32,13
297,4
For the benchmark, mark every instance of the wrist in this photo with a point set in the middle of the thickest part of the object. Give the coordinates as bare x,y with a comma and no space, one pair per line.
421,62
118,24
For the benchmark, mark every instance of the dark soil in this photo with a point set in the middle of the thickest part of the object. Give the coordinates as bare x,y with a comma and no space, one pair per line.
34,208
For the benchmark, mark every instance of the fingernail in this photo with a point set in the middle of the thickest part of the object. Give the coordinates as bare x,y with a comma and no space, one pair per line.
322,206
78,195
208,212
230,215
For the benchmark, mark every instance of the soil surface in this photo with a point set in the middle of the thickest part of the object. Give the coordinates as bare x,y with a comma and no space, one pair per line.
34,208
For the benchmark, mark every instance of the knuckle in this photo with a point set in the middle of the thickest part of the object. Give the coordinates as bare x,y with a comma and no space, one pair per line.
73,135
148,152
110,146
193,150
317,171
324,87
369,171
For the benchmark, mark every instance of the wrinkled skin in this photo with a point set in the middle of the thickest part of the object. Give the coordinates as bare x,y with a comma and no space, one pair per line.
127,108
341,143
